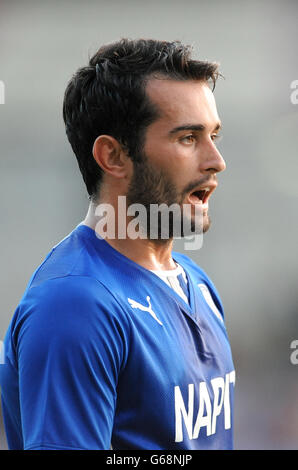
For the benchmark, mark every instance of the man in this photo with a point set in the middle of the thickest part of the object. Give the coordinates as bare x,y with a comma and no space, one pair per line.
117,340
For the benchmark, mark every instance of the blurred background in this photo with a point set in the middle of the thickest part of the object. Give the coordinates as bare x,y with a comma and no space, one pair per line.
251,250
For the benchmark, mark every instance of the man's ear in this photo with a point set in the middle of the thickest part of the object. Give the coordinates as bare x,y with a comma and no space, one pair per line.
110,156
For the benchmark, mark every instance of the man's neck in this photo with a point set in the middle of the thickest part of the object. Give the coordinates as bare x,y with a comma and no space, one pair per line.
150,254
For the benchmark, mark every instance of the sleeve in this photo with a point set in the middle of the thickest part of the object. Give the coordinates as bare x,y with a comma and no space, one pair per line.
71,346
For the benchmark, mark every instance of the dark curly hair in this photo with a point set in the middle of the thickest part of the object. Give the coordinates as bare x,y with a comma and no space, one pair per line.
108,96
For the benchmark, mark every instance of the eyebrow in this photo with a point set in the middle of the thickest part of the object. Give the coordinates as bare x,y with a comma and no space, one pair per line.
193,127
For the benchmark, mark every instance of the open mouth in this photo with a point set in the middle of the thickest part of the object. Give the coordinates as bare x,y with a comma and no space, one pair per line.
200,196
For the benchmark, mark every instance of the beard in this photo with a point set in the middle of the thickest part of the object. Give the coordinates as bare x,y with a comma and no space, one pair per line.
151,186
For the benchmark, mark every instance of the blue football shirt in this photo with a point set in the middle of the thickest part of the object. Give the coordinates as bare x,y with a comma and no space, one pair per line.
101,352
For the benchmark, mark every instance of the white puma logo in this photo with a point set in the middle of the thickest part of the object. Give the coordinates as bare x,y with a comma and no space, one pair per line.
135,304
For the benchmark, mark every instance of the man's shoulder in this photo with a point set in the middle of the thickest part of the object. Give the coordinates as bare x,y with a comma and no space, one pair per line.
74,275
60,262
69,305
84,295
77,254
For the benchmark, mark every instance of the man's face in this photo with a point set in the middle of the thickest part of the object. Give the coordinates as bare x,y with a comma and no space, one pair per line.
179,160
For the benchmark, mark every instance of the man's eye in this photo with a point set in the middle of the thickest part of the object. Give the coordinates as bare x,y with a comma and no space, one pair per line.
189,139
216,137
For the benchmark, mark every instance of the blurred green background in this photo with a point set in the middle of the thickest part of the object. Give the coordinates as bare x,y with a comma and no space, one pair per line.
251,250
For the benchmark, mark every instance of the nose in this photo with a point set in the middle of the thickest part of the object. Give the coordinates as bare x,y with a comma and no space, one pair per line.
213,161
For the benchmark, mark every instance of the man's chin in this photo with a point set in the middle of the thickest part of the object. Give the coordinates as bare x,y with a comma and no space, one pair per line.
197,227
206,226
206,223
